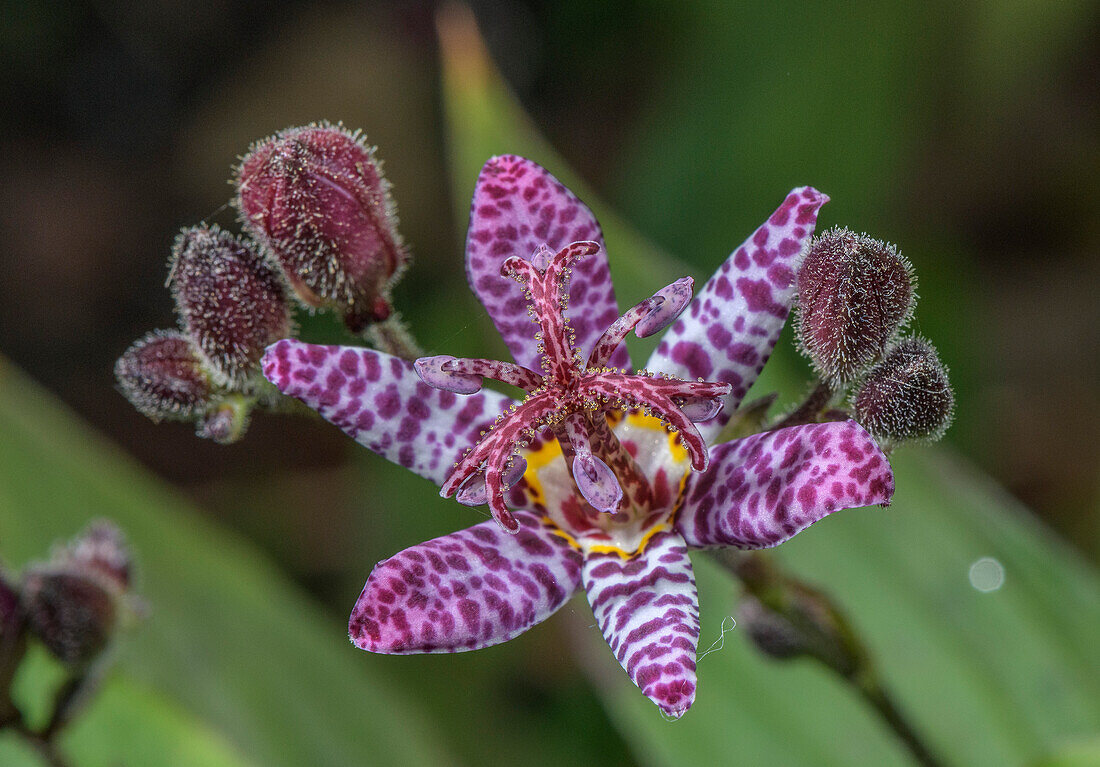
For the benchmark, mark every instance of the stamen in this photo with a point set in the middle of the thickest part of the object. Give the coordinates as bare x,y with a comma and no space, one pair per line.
636,487
595,479
597,482
494,455
505,372
655,395
644,318
431,372
475,493
698,409
615,334
677,296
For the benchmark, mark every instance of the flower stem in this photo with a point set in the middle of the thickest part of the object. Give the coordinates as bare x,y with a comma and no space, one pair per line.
786,618
44,745
392,336
875,694
810,409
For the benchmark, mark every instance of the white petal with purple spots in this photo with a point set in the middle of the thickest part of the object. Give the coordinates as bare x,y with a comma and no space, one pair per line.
518,206
729,330
381,403
761,490
471,589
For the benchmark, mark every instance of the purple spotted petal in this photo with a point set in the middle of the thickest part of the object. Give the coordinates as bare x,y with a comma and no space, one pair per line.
381,403
729,330
648,611
470,589
761,490
518,206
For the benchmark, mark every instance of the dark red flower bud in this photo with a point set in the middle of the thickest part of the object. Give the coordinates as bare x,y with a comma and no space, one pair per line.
316,198
907,395
771,632
73,602
163,377
854,294
787,618
230,301
71,614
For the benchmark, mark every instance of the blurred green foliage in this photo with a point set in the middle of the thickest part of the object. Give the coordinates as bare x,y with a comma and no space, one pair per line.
228,640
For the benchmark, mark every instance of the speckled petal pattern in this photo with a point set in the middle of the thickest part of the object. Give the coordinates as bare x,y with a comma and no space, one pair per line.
761,490
382,404
648,610
518,206
471,589
729,330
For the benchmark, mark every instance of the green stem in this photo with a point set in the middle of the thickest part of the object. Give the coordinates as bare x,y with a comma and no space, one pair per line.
885,707
810,409
814,624
392,336
45,747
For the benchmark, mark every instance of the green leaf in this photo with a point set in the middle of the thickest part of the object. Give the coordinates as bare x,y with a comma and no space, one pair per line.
1083,754
15,752
121,723
988,678
228,638
128,724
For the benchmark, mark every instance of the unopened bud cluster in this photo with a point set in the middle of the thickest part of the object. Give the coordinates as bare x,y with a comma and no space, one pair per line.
319,224
856,294
72,604
231,304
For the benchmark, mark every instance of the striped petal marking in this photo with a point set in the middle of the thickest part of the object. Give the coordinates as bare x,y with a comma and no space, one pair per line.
648,611
471,589
730,329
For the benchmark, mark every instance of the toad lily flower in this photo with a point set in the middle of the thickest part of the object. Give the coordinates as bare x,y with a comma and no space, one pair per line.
597,477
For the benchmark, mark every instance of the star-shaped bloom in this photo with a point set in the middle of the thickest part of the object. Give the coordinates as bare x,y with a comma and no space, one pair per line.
596,476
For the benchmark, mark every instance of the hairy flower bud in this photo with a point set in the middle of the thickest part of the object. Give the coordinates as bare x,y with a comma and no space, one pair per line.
854,294
72,615
101,551
771,632
907,395
226,421
73,602
163,377
316,198
230,302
